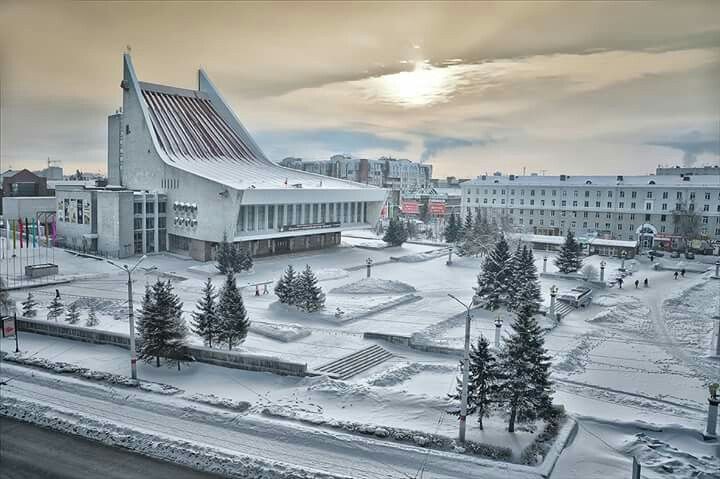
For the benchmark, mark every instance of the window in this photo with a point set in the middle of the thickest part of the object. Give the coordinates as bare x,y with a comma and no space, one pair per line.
705,220
633,205
574,203
271,217
563,203
149,223
664,206
532,202
586,204
162,222
609,195
648,206
619,226
649,195
622,194
678,195
663,217
633,194
692,195
251,218
665,195
707,196
138,208
621,204
162,207
587,194
137,223
261,217
485,200
647,217
150,241
609,204
137,240
150,207
308,209
585,214
706,207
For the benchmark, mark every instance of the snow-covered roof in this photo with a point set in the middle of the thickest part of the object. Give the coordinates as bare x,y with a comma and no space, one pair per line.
558,240
603,181
191,133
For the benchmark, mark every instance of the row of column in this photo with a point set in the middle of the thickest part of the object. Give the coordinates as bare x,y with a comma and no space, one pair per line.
263,213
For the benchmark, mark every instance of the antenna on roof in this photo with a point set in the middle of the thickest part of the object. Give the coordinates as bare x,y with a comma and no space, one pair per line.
128,48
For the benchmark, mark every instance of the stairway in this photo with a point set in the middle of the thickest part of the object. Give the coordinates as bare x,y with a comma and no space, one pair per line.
563,309
357,362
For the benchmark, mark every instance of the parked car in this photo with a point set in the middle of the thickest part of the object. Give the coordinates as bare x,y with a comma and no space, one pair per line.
657,254
689,255
675,254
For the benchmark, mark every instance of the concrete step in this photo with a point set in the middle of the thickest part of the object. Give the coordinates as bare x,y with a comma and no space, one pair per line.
357,362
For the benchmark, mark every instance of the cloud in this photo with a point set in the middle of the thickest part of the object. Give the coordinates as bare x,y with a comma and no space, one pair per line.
432,145
693,144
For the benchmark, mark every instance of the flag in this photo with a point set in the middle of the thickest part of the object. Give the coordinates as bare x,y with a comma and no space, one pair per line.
27,233
14,233
20,231
53,226
47,231
35,232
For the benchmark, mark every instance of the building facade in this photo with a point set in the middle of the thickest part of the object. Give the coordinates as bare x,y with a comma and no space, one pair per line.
189,147
631,208
384,172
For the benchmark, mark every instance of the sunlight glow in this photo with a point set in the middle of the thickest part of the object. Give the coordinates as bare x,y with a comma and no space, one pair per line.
423,86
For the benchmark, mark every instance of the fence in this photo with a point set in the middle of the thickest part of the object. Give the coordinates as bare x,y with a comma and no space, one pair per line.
230,359
413,342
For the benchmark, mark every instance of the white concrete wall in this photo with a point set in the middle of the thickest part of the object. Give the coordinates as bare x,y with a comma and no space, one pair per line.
15,207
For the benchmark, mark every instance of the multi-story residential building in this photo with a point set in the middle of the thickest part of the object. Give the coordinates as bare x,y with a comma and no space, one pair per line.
385,172
633,208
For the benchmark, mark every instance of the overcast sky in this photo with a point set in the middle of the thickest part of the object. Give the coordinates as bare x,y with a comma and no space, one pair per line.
571,88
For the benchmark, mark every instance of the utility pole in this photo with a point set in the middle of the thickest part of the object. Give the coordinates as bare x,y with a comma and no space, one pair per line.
466,372
131,313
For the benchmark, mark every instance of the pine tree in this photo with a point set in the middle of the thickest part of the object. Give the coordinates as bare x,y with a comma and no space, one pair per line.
205,320
242,260
233,320
225,256
453,230
28,306
310,295
285,287
483,381
525,388
515,268
493,280
92,319
72,315
396,233
569,260
468,226
161,326
56,308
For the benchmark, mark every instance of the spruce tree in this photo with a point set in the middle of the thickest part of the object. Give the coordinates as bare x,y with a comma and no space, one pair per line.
56,308
569,260
233,320
483,381
161,326
205,320
242,260
451,230
396,234
72,315
468,226
225,256
310,295
525,389
515,264
92,319
525,286
493,280
285,287
28,306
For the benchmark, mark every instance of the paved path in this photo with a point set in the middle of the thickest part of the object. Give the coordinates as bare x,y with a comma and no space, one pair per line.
32,452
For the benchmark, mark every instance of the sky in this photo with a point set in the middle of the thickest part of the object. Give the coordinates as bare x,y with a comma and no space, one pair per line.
472,88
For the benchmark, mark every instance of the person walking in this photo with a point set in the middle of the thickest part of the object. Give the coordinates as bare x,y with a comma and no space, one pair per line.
637,283
676,274
645,282
652,258
620,283
682,272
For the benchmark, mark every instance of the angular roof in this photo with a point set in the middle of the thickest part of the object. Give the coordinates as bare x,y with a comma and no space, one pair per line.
196,131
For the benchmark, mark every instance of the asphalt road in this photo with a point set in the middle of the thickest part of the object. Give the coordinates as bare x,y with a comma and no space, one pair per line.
31,452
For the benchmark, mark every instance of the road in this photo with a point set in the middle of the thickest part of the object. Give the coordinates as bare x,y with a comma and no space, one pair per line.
32,452
248,437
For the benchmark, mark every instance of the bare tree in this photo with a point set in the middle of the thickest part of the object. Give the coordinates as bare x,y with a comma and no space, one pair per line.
686,222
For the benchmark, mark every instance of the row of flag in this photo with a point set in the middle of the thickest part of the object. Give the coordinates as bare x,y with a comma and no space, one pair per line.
27,233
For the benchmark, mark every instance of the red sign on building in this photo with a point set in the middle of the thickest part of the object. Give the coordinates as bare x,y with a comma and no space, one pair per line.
410,207
437,208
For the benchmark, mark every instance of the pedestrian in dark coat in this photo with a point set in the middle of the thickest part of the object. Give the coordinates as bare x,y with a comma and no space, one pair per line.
676,274
645,282
682,272
637,283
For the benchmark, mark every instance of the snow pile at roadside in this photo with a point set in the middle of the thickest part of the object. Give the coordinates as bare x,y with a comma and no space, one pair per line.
187,453
348,309
403,371
281,332
664,459
374,286
418,257
407,436
74,370
213,400
327,274
688,316
623,312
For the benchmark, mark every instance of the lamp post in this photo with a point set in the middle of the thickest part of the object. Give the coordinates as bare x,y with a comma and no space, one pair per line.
498,328
545,264
553,294
713,402
131,317
602,270
466,368
622,265
717,269
449,260
368,264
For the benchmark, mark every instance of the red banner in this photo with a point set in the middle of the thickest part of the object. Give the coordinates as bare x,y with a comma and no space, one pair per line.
437,208
410,207
8,327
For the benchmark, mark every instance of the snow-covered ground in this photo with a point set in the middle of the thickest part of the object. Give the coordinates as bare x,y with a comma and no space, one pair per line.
634,365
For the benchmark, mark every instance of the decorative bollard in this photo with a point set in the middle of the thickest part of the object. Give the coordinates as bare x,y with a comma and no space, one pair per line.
717,269
449,260
713,401
368,264
553,294
545,264
498,329
602,271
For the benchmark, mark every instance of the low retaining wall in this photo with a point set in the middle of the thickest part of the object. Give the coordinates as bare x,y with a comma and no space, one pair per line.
410,342
230,359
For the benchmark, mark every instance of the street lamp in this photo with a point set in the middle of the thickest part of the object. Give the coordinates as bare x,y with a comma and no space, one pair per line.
466,369
498,328
622,265
449,260
545,264
602,270
131,317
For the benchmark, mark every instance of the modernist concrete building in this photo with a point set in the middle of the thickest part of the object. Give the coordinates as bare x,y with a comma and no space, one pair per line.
630,208
189,146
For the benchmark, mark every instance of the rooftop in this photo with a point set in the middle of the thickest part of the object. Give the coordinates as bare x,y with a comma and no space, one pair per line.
606,181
